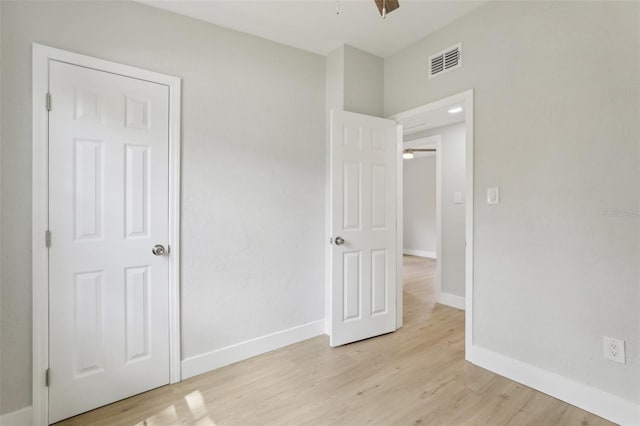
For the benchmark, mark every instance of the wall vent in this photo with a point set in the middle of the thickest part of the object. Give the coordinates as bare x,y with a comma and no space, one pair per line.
446,60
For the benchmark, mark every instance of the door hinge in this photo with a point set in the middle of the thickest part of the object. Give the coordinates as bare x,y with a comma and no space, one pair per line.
46,377
47,238
48,101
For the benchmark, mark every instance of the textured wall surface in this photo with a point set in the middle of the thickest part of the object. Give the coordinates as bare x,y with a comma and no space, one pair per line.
252,170
556,101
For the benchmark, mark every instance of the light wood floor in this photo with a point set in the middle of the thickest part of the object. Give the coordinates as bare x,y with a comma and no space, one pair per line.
415,376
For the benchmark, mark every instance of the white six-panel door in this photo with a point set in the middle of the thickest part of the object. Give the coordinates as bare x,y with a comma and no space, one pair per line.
363,159
108,193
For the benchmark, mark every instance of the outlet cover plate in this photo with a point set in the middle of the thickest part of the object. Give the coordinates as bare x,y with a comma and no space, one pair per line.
614,349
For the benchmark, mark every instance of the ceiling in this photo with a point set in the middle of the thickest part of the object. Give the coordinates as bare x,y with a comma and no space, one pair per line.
313,25
432,119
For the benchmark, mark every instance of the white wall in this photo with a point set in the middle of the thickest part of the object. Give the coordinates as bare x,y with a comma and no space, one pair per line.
253,171
419,205
556,101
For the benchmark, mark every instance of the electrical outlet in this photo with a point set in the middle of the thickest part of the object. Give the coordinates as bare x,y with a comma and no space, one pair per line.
614,349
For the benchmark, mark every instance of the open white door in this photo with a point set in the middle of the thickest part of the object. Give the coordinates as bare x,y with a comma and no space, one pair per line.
363,191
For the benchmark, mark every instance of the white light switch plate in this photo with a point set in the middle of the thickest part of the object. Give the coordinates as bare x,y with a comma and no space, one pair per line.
457,197
493,195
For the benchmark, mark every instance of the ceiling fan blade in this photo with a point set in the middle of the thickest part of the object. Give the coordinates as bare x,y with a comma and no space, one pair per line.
391,5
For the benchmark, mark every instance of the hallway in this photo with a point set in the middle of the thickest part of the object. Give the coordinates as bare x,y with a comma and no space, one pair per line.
419,292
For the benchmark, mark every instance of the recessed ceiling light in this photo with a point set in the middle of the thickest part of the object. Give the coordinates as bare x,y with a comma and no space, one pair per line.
455,110
407,154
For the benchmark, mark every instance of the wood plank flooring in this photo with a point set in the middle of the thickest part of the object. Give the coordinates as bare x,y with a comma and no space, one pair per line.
415,376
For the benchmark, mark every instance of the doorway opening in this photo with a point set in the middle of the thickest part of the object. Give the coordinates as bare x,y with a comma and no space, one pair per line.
364,288
437,208
421,189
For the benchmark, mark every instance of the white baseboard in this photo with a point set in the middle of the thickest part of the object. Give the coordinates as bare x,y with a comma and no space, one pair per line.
219,358
595,401
451,300
603,404
21,417
420,253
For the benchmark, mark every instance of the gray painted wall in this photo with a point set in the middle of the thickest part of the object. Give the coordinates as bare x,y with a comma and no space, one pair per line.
419,204
363,82
557,107
355,81
252,175
334,79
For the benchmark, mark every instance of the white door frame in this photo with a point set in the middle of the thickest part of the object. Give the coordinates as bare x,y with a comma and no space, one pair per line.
399,226
40,219
466,98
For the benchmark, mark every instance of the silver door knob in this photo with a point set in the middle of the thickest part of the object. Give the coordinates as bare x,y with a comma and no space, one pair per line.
158,250
339,241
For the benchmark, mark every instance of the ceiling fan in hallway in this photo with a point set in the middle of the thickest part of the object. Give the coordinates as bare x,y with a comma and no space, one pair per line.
408,153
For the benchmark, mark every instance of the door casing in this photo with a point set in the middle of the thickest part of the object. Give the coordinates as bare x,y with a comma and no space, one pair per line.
465,98
40,210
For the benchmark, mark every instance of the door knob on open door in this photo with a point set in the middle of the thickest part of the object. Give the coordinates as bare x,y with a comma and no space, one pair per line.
339,241
158,250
